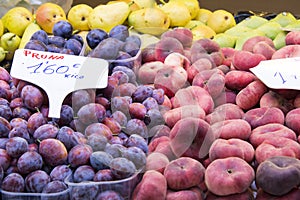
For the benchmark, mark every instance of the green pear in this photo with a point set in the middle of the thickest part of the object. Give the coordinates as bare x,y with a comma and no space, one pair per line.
253,21
224,40
294,26
279,40
244,37
238,30
10,42
284,18
2,54
146,39
271,29
149,20
17,19
106,16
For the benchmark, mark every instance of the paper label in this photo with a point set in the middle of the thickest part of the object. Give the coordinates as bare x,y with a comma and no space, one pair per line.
59,74
279,73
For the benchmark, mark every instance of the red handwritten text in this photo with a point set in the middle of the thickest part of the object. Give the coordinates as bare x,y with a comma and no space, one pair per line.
42,55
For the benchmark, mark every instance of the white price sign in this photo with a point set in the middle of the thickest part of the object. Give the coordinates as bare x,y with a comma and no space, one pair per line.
279,73
59,74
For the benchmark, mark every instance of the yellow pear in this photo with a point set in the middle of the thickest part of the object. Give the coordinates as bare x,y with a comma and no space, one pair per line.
253,21
192,5
132,4
202,31
221,20
83,34
149,20
145,3
203,15
1,28
106,16
284,18
29,31
178,13
78,16
193,23
17,19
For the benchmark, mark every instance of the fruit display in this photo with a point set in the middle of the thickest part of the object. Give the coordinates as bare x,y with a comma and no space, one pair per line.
182,116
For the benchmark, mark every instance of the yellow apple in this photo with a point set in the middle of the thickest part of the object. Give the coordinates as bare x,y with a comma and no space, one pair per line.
78,16
17,19
106,16
221,20
48,14
149,20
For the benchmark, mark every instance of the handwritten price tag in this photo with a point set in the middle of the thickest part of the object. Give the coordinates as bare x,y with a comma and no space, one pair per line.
59,74
279,73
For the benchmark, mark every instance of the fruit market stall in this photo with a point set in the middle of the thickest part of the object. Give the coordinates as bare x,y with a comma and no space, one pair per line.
127,100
